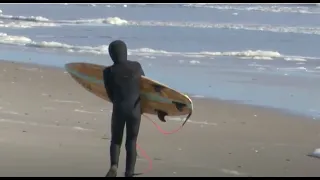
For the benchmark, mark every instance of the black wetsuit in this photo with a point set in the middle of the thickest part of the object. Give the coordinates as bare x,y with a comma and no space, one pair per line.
122,82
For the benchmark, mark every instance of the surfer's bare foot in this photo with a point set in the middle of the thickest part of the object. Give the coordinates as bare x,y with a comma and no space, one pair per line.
112,172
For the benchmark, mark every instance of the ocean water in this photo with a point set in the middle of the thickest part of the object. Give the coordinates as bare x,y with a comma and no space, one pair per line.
266,55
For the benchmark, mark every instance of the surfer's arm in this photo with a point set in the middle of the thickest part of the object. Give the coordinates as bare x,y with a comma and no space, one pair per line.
140,69
142,72
107,85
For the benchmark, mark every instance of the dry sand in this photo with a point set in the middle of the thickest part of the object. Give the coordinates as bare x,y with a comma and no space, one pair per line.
49,126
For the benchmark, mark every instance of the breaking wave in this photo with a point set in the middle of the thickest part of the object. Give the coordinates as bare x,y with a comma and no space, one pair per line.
252,27
261,8
116,21
25,22
103,49
24,18
39,21
273,8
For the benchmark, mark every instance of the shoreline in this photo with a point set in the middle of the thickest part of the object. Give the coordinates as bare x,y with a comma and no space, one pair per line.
191,95
50,126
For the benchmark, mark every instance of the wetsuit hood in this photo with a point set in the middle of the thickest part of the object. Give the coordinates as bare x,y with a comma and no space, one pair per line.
118,51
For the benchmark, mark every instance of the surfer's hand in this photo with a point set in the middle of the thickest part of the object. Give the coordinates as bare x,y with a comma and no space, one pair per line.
161,116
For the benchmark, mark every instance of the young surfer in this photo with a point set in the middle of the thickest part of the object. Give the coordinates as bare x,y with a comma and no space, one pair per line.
122,83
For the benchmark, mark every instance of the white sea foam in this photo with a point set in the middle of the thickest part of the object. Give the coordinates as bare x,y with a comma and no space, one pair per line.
294,59
24,18
261,8
14,40
194,62
262,58
109,20
293,69
109,5
274,8
25,21
248,53
146,52
198,96
250,27
26,24
38,21
116,21
254,64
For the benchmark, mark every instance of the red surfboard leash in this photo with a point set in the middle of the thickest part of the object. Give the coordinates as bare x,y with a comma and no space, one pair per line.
162,131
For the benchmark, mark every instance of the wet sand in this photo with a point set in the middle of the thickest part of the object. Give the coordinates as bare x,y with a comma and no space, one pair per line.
50,126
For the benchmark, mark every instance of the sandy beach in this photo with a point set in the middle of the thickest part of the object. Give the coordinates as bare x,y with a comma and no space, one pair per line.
50,126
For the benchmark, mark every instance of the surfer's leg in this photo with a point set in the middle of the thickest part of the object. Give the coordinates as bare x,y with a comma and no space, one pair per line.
133,125
117,126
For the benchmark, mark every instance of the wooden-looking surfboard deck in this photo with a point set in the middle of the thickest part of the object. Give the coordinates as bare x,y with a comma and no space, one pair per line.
155,97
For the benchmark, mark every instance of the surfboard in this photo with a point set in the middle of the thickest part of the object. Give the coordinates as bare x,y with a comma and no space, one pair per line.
156,98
